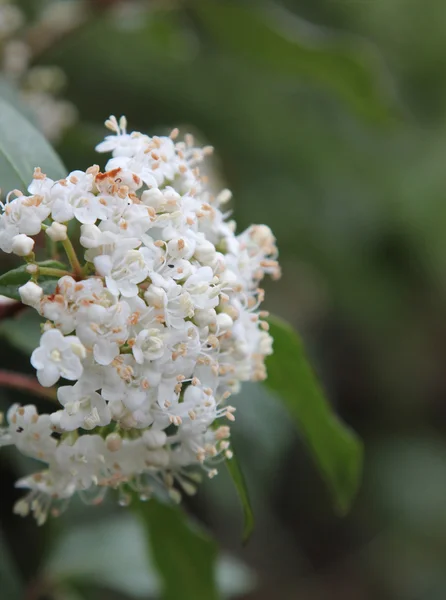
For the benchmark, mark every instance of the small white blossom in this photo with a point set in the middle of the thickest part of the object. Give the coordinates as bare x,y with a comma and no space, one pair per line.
124,270
83,408
58,356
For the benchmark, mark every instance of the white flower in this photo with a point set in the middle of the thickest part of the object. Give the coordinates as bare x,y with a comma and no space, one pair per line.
124,270
104,329
84,461
83,408
149,345
57,356
203,295
30,432
73,197
21,215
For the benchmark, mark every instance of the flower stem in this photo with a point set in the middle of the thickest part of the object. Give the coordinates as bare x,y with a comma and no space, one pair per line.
53,272
26,383
72,257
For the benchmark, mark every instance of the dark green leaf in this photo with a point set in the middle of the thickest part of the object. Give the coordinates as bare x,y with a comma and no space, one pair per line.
12,280
22,148
112,553
10,583
184,555
277,39
335,448
242,491
23,330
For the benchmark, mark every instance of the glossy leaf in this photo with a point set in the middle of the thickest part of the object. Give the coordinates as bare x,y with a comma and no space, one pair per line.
335,448
278,40
184,555
112,553
242,492
10,94
22,148
12,280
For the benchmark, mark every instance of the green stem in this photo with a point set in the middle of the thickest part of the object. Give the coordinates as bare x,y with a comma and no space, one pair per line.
88,269
51,246
53,272
72,257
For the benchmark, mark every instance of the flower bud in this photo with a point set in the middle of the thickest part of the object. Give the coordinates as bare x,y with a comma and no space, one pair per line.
153,198
154,296
90,236
203,317
57,232
179,248
154,439
55,418
157,458
22,245
30,294
172,199
205,252
262,236
113,442
224,322
224,196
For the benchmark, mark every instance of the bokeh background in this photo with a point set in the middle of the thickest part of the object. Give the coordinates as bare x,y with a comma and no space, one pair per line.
329,123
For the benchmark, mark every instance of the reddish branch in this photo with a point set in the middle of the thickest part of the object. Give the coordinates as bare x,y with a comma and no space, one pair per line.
10,309
25,383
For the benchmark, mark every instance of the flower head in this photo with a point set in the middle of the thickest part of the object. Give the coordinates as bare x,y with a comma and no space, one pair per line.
158,335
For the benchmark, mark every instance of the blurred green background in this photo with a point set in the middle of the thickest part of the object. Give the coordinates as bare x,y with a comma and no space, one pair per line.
329,123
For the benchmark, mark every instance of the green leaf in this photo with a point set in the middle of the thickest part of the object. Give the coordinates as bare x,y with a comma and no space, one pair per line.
12,280
184,555
22,331
276,39
242,491
110,553
22,148
335,448
11,585
10,94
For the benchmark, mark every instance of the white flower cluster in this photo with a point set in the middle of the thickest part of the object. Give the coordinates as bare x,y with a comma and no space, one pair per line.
157,329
